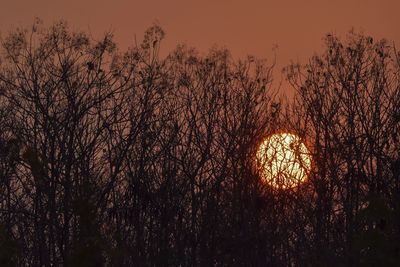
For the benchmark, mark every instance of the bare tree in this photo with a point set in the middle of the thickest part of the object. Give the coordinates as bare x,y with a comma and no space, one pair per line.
349,101
113,158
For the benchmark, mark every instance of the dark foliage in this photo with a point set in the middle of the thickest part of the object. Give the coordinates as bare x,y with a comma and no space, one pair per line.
126,159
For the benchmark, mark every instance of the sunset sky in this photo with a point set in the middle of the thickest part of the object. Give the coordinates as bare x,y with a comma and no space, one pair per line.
253,27
116,156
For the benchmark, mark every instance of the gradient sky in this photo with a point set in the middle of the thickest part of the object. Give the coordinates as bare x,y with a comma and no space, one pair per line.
295,27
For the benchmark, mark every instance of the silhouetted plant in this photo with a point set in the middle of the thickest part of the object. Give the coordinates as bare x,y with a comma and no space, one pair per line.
349,101
113,158
9,251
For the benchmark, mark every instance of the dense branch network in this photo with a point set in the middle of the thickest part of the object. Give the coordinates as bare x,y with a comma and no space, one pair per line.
112,158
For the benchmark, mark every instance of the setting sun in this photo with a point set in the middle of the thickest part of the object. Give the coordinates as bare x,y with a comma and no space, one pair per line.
284,160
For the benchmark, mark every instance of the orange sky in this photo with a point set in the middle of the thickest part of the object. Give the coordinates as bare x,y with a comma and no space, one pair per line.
244,26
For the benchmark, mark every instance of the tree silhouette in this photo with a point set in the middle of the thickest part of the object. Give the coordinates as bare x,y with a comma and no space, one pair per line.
113,158
349,98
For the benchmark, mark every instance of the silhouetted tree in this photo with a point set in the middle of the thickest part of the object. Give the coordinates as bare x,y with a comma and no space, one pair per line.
113,158
349,101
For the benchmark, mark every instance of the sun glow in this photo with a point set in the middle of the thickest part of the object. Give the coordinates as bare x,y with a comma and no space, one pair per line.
284,160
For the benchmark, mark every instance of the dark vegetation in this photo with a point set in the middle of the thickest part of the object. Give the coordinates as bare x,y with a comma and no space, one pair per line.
126,159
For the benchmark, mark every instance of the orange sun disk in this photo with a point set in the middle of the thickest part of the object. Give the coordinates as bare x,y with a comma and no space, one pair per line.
283,160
